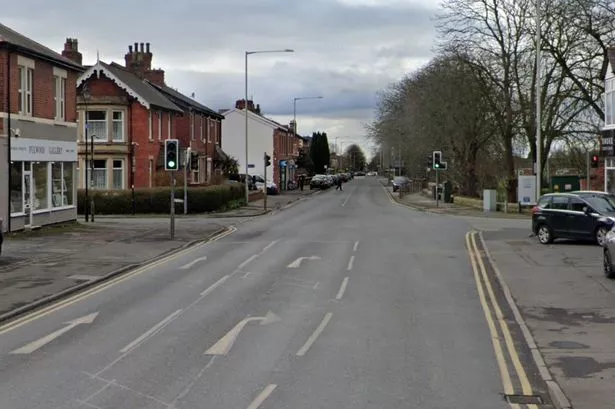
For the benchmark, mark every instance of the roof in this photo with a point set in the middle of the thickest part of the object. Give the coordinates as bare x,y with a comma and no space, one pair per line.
254,115
25,45
143,91
186,102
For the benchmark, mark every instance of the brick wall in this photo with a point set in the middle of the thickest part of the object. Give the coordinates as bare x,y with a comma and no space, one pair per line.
147,149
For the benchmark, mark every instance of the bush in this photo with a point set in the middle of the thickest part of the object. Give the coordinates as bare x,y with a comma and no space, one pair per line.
158,199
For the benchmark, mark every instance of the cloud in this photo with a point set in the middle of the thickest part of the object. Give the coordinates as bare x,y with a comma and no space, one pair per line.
345,50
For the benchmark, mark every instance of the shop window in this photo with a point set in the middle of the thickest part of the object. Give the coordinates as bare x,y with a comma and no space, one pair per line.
40,185
17,187
118,174
61,184
97,125
118,126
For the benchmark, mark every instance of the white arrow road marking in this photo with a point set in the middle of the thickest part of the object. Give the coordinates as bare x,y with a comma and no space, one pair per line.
315,335
152,331
197,260
224,345
33,346
297,263
258,401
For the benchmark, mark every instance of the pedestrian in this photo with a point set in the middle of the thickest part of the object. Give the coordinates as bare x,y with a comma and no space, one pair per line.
301,182
339,184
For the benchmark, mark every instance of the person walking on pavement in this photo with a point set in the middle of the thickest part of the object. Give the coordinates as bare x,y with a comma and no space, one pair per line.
301,182
339,184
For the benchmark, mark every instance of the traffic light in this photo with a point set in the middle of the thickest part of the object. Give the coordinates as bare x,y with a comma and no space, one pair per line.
194,161
595,161
430,162
437,159
171,154
267,160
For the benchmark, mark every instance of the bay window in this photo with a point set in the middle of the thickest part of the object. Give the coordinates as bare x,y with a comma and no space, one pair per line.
97,125
118,126
118,174
98,174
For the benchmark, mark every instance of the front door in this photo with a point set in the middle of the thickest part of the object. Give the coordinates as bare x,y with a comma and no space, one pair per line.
27,197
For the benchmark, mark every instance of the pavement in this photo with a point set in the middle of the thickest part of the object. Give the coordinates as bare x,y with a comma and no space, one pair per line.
569,307
346,300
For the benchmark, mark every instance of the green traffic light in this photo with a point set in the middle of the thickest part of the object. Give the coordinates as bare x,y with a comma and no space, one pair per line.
171,164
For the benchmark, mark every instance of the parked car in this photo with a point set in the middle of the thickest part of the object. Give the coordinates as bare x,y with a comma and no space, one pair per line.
320,182
580,215
400,181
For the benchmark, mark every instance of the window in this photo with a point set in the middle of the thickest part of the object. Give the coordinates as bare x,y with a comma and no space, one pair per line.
59,97
118,174
159,125
16,187
211,129
98,174
150,122
609,101
26,79
559,203
40,184
61,184
577,204
97,126
201,127
118,126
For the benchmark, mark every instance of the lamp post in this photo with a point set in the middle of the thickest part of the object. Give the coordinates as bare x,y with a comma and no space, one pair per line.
538,104
295,111
247,53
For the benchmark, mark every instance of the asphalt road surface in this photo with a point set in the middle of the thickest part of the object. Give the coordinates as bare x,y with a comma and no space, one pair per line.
342,301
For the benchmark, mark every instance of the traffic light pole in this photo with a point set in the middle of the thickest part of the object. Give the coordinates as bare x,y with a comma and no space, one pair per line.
186,164
437,187
265,173
172,225
587,178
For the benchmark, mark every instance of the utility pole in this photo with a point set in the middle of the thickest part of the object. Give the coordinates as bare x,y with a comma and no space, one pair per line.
538,103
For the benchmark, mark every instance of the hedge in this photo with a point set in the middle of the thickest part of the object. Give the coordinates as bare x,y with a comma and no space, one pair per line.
157,200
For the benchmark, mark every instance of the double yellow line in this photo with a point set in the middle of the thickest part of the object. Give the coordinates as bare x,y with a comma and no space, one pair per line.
493,315
105,285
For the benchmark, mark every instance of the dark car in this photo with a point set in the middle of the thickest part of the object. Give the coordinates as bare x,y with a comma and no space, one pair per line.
400,181
579,215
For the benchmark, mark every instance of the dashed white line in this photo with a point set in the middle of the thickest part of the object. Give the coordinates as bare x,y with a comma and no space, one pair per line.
192,263
315,335
350,263
248,261
268,246
152,331
258,401
316,285
340,293
214,286
356,246
254,256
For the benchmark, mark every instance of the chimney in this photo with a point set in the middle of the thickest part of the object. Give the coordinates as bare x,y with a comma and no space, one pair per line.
241,103
71,51
139,62
147,48
156,76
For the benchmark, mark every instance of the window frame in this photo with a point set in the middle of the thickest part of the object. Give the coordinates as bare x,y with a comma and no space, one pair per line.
121,125
122,170
88,121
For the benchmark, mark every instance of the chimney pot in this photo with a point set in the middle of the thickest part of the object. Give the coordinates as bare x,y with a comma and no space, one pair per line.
136,47
147,47
129,49
142,47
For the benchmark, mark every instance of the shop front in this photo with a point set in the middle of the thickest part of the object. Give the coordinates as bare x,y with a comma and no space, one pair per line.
42,182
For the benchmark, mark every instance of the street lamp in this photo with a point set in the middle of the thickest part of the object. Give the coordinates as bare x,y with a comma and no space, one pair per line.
247,53
85,95
538,105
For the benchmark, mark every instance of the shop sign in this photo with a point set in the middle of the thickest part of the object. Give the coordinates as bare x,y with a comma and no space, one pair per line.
43,150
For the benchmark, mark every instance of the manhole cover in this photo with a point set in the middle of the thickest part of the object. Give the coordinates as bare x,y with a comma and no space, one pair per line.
524,399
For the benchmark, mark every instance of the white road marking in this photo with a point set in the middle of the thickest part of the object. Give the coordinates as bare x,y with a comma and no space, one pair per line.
39,343
268,246
356,245
340,293
214,286
152,331
297,262
315,335
224,345
350,263
316,285
196,260
348,197
258,401
248,261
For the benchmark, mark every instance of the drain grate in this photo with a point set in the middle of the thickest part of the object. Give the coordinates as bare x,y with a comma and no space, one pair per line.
524,399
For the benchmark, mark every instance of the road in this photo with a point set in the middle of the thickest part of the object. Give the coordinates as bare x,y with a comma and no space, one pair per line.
342,301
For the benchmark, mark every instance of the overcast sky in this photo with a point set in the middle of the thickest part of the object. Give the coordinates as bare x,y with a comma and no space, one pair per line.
345,50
